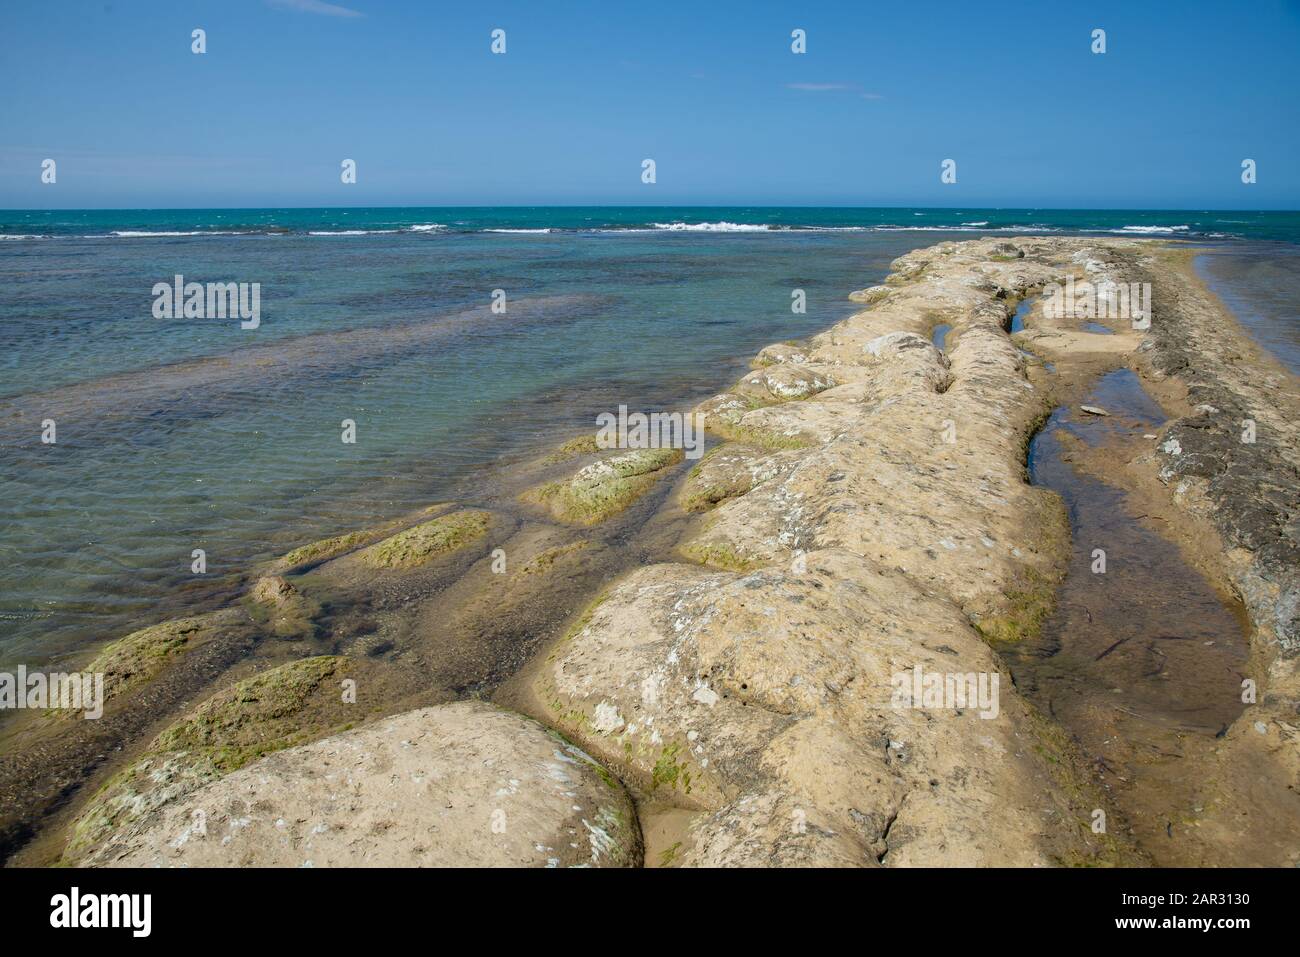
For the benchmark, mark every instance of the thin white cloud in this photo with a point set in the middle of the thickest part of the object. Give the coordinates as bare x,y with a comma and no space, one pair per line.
833,88
316,6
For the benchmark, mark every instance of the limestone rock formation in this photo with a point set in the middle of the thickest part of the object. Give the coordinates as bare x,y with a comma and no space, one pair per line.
456,785
876,528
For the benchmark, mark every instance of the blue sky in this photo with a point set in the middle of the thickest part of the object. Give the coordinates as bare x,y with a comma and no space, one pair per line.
710,90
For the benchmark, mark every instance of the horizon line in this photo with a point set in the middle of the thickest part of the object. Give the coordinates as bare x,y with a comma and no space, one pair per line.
1147,209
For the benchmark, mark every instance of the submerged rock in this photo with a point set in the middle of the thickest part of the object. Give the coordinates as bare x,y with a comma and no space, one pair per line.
545,561
582,445
428,540
326,548
142,655
283,608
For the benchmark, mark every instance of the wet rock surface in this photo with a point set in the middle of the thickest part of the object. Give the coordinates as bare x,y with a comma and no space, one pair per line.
45,762
428,540
1141,658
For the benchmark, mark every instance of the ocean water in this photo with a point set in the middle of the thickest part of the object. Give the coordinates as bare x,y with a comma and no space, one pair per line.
145,223
1260,283
183,434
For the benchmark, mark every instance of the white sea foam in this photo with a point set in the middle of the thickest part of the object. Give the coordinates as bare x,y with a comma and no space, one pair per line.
723,227
1152,229
969,228
145,233
678,226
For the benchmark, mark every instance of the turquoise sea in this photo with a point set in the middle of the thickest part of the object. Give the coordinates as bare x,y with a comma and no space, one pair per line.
142,223
177,434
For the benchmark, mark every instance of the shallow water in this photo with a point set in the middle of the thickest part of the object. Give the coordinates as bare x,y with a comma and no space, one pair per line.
1143,657
1022,310
1148,633
175,435
1260,283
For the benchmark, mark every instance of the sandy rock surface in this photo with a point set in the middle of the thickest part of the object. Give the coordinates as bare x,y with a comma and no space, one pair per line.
463,784
889,525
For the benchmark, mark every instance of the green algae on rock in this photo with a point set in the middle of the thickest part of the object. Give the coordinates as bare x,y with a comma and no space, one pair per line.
605,487
544,561
428,540
1028,597
582,445
141,655
259,714
317,552
720,555
326,548
276,709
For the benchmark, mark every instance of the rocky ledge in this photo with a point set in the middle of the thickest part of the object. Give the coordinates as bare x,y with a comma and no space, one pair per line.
872,517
